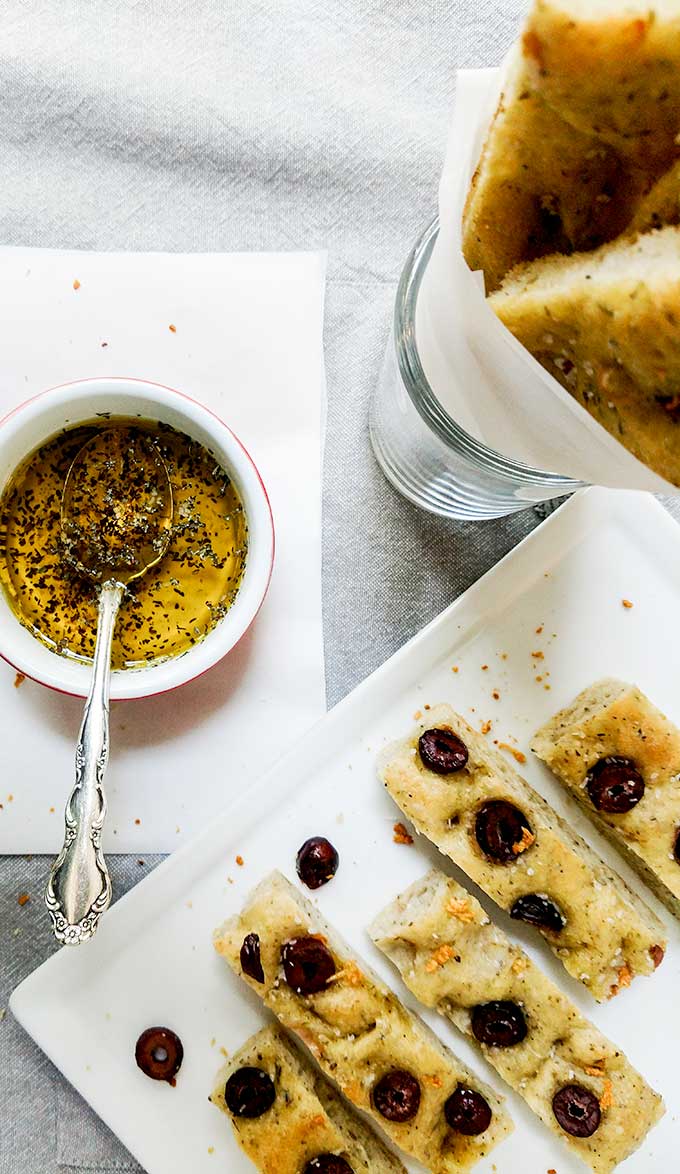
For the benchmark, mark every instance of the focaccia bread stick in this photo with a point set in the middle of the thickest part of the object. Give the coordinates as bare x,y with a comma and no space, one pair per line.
619,757
453,959
383,1058
288,1120
466,798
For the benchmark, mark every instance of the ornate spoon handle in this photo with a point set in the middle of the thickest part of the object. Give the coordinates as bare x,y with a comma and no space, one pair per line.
79,887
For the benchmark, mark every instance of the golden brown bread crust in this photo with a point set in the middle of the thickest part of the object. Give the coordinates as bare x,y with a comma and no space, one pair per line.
610,935
614,718
585,141
541,186
437,919
612,74
307,1118
358,1030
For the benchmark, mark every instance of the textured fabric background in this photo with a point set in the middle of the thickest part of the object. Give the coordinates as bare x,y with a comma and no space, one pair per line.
243,124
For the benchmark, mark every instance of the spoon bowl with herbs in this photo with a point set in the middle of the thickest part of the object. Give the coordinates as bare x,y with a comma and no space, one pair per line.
117,506
116,524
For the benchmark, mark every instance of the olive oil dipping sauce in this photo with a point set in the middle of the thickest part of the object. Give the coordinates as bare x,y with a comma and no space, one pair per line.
175,604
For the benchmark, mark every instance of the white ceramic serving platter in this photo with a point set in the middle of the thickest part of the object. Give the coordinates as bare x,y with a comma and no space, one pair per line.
152,961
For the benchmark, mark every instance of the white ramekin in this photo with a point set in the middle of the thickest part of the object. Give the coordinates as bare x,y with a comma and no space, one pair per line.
36,421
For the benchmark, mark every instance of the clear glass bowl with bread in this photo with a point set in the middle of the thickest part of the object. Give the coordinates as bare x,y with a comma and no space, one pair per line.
563,239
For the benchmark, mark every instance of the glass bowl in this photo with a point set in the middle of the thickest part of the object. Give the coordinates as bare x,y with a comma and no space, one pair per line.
423,452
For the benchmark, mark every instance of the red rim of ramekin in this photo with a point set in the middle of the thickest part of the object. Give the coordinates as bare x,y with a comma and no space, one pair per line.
239,442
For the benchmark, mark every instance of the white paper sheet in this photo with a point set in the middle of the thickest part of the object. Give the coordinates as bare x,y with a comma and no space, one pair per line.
483,376
248,344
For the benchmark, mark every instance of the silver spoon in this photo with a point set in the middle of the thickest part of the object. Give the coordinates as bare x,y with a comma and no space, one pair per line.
116,519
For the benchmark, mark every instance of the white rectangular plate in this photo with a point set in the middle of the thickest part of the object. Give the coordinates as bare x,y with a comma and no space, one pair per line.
153,962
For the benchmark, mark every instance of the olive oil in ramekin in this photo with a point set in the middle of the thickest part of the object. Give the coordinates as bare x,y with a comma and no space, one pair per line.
170,608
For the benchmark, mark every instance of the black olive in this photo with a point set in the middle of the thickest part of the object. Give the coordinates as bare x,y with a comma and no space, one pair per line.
251,963
577,1110
328,1164
442,751
249,1092
537,909
307,964
500,1024
317,862
615,785
467,1111
396,1096
159,1053
499,828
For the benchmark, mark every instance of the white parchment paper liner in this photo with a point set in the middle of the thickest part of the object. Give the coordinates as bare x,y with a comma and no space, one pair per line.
484,377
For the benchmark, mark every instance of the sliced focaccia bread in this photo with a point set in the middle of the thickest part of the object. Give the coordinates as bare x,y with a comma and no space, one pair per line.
467,799
612,70
540,186
288,1119
605,324
453,959
619,756
383,1058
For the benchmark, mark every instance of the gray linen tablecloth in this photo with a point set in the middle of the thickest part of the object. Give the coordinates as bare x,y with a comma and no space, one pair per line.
243,124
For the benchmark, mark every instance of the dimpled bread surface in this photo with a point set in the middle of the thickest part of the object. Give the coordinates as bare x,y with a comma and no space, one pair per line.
358,1030
610,935
307,1118
453,958
615,718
